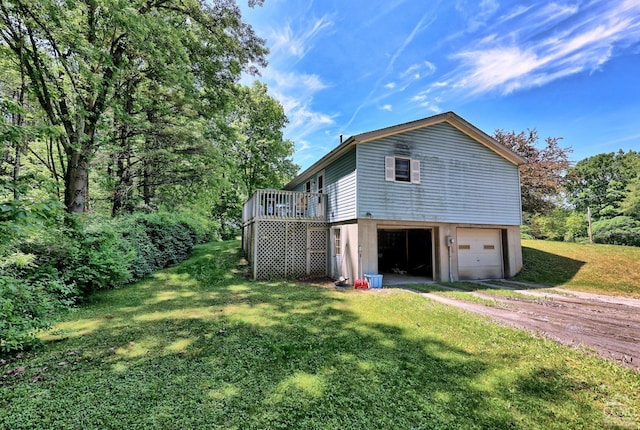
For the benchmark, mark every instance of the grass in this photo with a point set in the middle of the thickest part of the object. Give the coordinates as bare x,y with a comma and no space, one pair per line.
459,295
199,346
608,269
466,290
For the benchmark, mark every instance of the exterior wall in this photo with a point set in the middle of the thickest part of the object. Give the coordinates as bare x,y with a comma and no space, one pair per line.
461,181
340,180
463,184
512,246
348,266
368,239
341,197
445,263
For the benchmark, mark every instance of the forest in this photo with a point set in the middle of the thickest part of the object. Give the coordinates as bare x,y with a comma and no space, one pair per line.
126,138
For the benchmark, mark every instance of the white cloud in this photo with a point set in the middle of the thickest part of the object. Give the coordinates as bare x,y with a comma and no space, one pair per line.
386,107
418,28
417,71
516,12
303,145
553,11
285,41
296,82
521,59
390,85
296,91
485,70
477,14
303,120
428,101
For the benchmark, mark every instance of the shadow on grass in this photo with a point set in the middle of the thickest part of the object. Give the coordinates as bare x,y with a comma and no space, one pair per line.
546,268
197,346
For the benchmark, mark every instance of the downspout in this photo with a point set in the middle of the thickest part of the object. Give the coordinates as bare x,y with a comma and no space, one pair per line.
450,242
450,268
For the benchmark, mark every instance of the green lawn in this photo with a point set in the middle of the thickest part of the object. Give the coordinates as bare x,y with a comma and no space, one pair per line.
609,269
199,346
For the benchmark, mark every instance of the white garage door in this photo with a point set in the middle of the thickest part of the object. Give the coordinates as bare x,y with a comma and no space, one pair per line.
479,253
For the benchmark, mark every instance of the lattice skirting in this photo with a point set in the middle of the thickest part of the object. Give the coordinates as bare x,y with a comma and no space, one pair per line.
287,249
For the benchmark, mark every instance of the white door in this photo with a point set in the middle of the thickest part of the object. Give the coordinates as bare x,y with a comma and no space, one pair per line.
479,253
336,246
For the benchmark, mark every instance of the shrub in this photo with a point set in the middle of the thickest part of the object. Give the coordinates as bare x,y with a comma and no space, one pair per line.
102,259
576,227
551,226
621,230
45,272
525,232
24,309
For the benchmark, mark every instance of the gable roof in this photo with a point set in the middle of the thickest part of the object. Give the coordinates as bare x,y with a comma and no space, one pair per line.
449,117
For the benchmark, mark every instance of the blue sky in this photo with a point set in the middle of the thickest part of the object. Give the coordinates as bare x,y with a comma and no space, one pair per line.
570,69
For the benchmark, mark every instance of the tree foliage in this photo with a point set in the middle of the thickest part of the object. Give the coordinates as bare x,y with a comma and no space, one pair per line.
112,107
541,178
263,157
620,230
630,204
606,184
76,54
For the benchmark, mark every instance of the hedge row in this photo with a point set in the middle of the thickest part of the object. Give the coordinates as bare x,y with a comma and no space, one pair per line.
59,266
621,230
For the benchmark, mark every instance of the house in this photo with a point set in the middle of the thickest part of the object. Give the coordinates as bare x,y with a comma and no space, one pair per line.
436,198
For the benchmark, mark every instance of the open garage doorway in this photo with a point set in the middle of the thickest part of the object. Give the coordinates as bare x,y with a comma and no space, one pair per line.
406,252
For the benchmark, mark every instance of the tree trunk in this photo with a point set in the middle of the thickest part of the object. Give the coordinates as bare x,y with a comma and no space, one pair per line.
18,121
124,184
146,184
76,181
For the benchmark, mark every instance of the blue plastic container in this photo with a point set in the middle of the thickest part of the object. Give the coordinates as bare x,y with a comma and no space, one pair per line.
375,281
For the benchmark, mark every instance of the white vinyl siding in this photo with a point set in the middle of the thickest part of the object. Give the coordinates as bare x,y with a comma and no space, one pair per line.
342,198
461,180
401,169
340,187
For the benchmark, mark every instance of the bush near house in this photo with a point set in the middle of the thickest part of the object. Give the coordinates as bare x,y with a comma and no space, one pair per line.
57,267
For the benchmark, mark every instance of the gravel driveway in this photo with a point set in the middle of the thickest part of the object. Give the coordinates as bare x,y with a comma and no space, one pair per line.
610,325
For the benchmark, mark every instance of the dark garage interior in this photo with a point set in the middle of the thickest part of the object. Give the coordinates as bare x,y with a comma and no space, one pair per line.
405,252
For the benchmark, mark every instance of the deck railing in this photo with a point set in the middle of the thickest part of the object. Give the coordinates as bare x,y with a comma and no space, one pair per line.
279,204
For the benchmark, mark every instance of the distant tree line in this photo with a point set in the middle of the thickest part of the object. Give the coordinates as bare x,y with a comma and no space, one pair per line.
558,198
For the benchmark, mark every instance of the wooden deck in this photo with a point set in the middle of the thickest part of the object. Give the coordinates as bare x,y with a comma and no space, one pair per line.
286,206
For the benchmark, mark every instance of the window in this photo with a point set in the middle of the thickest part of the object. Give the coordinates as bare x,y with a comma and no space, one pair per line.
403,170
399,169
336,242
307,187
320,180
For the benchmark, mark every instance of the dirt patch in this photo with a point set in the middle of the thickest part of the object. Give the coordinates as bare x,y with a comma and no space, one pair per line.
608,325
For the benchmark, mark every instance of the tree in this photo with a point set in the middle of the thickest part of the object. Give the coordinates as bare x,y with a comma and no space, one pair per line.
263,157
74,53
541,178
252,150
602,183
630,205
